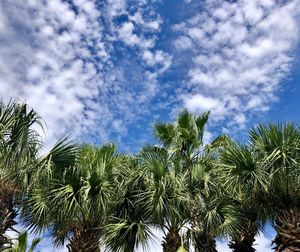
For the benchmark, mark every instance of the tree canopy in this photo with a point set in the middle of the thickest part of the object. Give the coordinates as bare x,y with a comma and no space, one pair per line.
91,198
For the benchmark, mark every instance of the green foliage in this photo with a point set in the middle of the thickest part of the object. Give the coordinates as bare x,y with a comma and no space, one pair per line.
78,196
277,147
22,244
183,137
19,145
91,196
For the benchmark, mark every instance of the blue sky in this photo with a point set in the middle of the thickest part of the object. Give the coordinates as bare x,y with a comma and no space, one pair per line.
106,70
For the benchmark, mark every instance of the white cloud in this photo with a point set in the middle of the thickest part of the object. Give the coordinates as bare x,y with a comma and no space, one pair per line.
240,119
151,24
127,35
2,21
196,33
222,246
198,104
207,137
263,243
183,43
116,7
238,53
61,58
157,59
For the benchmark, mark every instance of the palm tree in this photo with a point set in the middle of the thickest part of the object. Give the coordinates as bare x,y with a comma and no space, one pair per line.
164,198
247,182
19,144
129,224
183,138
195,159
277,148
74,202
215,211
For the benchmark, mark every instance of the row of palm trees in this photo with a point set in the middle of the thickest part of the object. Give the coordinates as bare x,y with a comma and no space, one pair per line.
93,197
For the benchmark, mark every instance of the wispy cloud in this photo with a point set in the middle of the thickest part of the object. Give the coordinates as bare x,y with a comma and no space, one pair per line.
240,51
68,60
92,68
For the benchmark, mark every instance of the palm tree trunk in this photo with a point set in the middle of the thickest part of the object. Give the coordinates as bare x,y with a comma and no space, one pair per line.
7,214
205,243
244,241
287,225
7,222
84,240
131,240
172,241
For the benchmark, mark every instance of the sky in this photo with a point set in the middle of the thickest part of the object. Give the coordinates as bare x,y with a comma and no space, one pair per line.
106,70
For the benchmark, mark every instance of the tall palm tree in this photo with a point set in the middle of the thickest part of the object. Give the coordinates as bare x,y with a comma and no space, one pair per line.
184,137
195,159
247,182
216,212
277,147
74,202
129,224
19,144
164,198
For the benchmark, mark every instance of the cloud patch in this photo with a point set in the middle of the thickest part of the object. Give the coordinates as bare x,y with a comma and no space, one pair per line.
68,60
240,51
